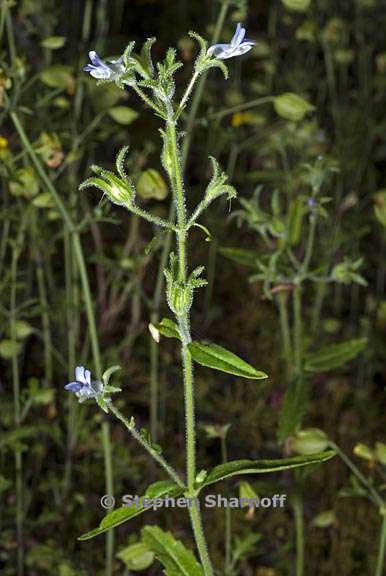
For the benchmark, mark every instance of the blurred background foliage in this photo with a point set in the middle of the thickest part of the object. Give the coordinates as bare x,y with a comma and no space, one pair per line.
332,56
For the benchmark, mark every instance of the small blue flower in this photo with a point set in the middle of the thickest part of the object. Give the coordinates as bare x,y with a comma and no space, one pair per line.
83,387
237,47
102,70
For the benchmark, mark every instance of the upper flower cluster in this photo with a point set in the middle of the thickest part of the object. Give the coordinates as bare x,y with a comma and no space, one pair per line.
112,70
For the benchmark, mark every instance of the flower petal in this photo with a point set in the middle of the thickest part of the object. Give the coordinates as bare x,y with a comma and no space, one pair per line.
73,386
95,58
238,35
79,374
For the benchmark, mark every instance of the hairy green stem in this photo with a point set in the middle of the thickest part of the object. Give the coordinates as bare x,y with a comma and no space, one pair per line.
145,444
380,568
156,303
184,325
298,329
110,491
285,331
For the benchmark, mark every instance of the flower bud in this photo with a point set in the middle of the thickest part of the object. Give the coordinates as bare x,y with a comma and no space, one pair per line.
309,441
180,298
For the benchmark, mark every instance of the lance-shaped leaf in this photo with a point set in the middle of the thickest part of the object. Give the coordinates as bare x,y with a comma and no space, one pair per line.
219,358
125,513
168,328
176,559
216,187
334,355
144,63
241,256
241,467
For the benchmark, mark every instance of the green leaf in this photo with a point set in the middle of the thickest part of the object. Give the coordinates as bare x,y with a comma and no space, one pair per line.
23,329
43,200
168,328
125,513
297,5
173,555
58,76
137,557
219,358
240,256
294,407
291,106
8,348
334,356
150,184
324,519
123,115
237,467
53,42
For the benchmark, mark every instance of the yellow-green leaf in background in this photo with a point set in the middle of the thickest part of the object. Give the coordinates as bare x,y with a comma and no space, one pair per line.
53,42
8,348
309,441
23,329
324,519
297,5
380,452
380,206
43,200
363,451
59,76
291,106
136,557
150,184
123,115
24,183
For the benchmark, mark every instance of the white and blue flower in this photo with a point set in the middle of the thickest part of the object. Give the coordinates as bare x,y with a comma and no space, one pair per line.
239,45
83,387
101,70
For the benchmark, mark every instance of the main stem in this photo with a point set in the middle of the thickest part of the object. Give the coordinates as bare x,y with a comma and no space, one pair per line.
184,325
381,550
167,243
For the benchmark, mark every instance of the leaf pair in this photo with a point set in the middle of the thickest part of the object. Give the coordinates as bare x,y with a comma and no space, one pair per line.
166,488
